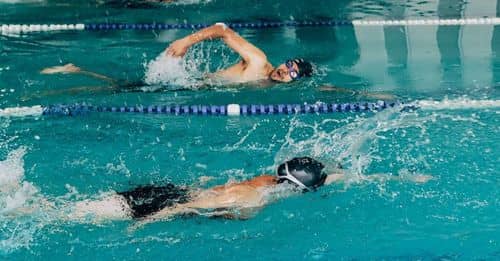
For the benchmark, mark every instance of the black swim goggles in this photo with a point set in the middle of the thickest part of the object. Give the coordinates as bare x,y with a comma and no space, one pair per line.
291,178
294,74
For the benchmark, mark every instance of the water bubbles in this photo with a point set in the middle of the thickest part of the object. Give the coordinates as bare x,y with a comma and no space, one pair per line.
167,70
18,198
190,71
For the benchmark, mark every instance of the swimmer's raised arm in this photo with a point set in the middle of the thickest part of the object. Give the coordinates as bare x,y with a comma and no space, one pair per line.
246,50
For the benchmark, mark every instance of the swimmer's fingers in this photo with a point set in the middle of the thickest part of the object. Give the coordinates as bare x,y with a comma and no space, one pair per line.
175,53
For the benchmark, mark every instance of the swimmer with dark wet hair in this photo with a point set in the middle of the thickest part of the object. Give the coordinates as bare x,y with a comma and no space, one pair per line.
252,67
240,200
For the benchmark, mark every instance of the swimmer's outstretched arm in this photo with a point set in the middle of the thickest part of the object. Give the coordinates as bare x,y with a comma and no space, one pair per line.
71,68
417,178
245,49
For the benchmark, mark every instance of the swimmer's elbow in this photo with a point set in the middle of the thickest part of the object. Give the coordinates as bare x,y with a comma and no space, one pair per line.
222,25
221,30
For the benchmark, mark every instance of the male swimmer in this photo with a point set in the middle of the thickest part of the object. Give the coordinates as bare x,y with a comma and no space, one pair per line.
234,200
253,66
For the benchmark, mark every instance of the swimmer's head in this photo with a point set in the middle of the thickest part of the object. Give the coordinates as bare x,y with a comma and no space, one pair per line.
292,70
305,172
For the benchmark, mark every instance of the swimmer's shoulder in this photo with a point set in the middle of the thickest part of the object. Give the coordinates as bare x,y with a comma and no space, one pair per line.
259,181
263,180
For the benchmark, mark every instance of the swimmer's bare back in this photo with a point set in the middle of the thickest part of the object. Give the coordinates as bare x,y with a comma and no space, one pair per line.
214,202
246,195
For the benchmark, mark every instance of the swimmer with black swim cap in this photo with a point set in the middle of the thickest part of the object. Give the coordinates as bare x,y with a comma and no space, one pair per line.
232,200
235,200
305,172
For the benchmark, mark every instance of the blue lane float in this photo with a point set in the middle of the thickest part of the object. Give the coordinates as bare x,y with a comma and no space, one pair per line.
220,110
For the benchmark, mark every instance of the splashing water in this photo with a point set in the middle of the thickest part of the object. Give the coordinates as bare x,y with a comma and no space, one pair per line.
187,72
16,194
460,103
167,70
356,144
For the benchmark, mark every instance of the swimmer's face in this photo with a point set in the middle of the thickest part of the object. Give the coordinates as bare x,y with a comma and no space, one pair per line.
282,73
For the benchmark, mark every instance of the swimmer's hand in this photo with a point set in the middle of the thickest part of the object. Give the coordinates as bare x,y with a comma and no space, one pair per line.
178,48
68,68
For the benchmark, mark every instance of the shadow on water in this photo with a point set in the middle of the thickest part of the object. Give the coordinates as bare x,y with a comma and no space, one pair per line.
449,44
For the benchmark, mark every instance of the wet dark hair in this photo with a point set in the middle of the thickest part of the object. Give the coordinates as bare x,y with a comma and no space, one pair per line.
305,67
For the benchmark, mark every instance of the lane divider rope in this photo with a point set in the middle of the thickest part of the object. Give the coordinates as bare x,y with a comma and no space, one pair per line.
203,110
28,28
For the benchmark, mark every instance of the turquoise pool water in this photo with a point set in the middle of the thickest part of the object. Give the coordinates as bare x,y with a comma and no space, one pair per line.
455,140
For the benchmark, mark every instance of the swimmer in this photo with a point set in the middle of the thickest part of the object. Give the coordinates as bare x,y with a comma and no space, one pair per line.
240,200
252,67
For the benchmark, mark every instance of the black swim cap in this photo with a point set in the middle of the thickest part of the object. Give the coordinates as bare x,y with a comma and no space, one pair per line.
307,171
305,68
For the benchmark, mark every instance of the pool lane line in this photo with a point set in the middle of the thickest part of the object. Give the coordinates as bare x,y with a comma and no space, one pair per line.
29,28
203,110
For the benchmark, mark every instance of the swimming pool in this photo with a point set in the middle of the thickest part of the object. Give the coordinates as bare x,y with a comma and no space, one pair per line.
454,216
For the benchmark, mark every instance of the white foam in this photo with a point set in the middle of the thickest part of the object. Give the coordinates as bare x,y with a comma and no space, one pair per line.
12,170
458,104
168,70
354,141
17,199
14,191
21,111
